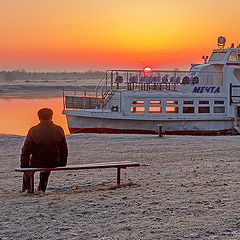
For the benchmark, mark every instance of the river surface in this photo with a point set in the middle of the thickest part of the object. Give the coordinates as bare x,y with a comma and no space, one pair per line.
19,114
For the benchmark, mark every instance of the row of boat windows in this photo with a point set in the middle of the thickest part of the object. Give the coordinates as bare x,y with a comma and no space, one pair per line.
171,107
154,102
172,110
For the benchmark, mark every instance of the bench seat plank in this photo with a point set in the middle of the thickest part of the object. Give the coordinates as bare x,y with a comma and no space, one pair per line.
122,164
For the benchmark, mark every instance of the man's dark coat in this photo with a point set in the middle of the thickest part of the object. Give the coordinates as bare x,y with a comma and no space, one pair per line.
45,146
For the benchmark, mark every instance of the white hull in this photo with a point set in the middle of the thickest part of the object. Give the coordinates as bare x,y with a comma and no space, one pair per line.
83,124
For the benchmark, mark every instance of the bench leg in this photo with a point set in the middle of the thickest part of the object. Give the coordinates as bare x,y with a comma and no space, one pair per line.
32,182
118,175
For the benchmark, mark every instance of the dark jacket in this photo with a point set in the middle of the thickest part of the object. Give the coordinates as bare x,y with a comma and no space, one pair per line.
45,146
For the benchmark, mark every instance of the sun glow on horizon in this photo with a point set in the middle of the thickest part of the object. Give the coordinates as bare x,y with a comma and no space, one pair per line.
147,70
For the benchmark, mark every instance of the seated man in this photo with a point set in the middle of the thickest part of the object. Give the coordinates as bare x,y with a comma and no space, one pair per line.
45,146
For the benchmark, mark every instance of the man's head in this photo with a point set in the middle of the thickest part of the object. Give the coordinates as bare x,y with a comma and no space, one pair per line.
45,114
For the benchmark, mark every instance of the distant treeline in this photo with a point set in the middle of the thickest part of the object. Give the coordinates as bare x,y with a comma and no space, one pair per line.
23,75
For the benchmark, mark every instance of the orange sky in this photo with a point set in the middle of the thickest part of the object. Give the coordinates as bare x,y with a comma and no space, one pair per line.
101,34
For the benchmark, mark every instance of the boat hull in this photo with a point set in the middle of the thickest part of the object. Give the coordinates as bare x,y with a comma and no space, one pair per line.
80,124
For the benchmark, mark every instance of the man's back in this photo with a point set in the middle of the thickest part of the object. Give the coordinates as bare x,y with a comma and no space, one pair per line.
47,146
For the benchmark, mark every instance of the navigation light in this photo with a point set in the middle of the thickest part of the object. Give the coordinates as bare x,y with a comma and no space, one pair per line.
221,42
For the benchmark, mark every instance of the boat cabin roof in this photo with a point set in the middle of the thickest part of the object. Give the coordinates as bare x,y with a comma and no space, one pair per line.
223,56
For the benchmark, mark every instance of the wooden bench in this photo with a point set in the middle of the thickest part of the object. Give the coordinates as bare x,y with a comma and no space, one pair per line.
118,165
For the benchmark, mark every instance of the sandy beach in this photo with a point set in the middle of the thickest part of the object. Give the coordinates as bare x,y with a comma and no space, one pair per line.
186,188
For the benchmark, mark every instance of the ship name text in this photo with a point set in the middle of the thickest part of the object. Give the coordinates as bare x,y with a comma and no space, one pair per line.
205,89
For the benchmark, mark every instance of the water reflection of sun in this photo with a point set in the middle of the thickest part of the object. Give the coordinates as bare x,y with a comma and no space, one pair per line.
18,115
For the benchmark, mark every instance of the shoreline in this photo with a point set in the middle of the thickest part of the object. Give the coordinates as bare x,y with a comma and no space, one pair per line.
40,88
19,91
29,96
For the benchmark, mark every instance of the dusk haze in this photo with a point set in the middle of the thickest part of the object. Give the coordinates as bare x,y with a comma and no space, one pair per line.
77,35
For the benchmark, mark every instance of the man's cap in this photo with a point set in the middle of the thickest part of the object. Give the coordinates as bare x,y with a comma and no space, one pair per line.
45,114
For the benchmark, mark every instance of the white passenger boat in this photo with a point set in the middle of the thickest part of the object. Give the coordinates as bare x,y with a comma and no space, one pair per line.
204,100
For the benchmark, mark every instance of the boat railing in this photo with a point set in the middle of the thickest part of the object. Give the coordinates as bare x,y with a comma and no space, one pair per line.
137,80
104,91
156,80
77,99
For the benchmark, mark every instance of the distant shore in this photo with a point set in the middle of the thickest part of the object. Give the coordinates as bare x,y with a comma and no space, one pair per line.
42,89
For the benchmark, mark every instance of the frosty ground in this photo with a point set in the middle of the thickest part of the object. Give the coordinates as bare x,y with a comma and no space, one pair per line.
186,188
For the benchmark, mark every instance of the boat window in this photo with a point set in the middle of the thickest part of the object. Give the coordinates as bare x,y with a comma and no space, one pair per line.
170,110
155,102
232,57
187,102
237,73
203,102
188,109
219,109
217,56
218,74
203,109
137,102
155,110
138,110
239,56
172,102
218,102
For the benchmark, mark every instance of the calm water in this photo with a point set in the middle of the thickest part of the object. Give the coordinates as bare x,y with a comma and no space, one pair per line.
18,115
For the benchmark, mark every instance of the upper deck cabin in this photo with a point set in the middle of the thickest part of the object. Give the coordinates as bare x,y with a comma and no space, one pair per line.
230,56
221,69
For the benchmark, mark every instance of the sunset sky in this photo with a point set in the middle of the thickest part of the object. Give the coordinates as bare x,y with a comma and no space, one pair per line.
78,35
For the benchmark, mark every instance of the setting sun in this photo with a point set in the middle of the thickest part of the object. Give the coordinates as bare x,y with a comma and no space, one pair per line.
147,69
